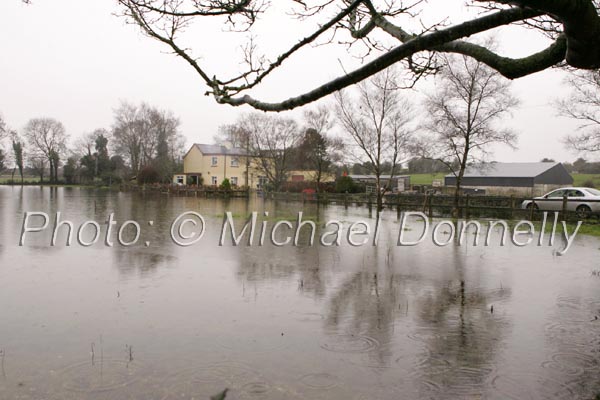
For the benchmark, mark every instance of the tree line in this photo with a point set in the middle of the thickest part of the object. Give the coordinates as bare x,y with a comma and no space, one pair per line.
457,125
277,145
394,34
143,141
383,129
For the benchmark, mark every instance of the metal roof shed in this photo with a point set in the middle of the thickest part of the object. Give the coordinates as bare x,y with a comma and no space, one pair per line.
514,175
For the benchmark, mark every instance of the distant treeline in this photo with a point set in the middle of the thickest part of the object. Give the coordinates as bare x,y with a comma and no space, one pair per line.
144,142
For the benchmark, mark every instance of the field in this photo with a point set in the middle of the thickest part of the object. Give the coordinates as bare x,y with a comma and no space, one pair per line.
586,179
27,178
425,179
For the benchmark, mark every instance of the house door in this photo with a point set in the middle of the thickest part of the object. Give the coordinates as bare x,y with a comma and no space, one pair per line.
192,180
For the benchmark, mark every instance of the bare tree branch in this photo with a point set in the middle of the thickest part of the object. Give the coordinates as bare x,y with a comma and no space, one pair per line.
583,105
470,99
573,25
378,121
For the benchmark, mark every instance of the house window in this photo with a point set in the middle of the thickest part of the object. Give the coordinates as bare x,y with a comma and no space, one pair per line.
234,180
179,180
214,161
214,180
262,181
235,162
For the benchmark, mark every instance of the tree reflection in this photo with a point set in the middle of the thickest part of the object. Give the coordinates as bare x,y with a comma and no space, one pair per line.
142,208
450,319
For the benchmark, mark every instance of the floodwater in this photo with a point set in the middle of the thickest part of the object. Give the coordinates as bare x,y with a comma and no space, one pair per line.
309,322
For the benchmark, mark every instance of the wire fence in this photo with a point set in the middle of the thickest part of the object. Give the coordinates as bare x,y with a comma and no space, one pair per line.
433,205
469,206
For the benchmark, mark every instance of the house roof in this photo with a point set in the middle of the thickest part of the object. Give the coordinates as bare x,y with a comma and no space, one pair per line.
508,170
219,149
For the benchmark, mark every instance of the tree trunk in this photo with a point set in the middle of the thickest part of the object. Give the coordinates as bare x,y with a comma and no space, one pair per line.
379,196
455,207
318,181
461,174
51,170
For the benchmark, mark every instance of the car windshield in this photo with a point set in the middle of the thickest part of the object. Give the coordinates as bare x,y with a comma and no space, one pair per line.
592,191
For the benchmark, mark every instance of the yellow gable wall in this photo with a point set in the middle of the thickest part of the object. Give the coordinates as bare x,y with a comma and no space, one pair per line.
192,162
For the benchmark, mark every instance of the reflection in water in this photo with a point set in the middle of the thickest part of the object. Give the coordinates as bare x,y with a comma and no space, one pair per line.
131,262
384,322
461,335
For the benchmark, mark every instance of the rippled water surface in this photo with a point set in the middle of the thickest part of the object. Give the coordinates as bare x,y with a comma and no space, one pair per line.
373,322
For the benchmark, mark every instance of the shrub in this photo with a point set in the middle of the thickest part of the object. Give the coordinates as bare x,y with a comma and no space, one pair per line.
225,185
148,174
346,184
70,170
588,183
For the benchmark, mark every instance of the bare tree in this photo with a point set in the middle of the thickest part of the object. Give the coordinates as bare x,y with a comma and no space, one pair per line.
85,144
165,129
271,142
128,133
390,31
91,151
3,128
583,105
234,134
18,155
177,146
319,118
470,99
3,134
139,132
38,165
378,120
319,149
47,140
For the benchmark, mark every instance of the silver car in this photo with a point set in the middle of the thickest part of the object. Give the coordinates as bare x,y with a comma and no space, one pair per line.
584,201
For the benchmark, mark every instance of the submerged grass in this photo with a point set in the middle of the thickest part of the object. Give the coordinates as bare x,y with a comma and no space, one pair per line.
585,229
590,228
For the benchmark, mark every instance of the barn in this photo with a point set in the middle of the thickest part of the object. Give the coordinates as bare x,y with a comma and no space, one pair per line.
514,178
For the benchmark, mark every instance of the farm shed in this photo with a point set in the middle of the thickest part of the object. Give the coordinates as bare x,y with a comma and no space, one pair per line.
514,178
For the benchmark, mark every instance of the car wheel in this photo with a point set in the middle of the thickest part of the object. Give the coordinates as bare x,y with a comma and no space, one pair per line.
584,211
532,205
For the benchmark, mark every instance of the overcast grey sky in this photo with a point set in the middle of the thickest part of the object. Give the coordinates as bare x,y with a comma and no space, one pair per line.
73,60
